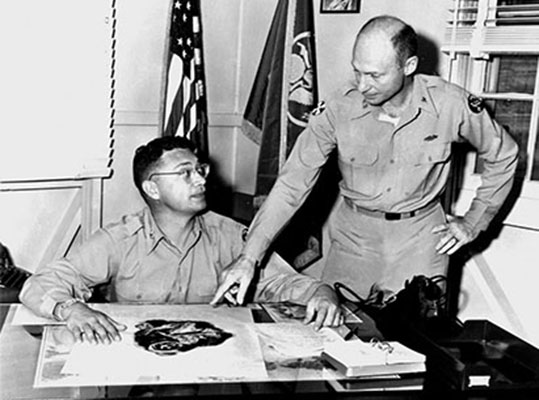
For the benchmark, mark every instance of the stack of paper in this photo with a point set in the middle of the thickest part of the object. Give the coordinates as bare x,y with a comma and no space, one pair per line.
358,358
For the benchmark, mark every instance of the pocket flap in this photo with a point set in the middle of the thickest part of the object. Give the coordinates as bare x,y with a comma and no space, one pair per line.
364,155
430,154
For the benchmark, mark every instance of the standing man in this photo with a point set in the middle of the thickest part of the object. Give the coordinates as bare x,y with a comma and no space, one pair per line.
393,130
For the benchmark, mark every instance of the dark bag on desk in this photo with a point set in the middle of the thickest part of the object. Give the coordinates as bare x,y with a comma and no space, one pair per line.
421,304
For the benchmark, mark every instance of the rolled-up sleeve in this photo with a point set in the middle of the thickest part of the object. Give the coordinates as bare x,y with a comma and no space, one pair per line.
71,277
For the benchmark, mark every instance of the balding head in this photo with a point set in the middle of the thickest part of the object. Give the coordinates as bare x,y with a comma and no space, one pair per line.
401,35
384,61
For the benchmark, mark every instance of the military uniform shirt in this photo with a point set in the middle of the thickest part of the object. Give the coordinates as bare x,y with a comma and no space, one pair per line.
392,168
144,267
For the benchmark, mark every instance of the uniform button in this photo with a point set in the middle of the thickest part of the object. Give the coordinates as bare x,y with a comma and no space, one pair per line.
388,190
392,161
352,159
139,296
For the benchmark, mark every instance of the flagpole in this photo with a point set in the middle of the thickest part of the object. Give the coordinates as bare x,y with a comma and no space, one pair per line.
164,72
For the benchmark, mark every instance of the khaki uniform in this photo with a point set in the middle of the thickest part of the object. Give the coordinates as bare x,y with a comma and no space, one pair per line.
143,266
389,168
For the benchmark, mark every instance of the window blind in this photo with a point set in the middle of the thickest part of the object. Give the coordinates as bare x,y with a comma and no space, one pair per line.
57,89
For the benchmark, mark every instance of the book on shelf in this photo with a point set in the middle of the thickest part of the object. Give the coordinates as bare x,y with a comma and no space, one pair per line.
359,358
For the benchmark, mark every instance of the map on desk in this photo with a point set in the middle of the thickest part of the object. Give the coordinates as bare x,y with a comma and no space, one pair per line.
163,344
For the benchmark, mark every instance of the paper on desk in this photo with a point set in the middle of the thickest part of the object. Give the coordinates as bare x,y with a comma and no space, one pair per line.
238,358
288,340
289,312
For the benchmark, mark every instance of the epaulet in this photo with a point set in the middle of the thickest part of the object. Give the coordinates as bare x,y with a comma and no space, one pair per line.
432,80
442,91
211,221
437,84
128,224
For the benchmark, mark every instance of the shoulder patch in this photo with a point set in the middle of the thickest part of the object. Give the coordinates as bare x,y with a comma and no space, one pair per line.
319,108
244,233
476,104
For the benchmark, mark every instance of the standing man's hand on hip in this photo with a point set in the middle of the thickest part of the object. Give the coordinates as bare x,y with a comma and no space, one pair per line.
453,235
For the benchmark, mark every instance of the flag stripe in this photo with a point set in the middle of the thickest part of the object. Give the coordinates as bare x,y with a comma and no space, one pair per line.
185,102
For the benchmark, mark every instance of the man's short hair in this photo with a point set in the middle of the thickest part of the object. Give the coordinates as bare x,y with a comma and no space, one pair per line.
147,155
403,37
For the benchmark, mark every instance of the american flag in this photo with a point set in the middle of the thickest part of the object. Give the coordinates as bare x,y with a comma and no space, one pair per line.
185,100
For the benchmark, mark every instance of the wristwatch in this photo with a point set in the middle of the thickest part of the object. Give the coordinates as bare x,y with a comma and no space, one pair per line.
60,307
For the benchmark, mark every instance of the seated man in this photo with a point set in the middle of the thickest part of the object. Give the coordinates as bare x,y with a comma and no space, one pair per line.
170,252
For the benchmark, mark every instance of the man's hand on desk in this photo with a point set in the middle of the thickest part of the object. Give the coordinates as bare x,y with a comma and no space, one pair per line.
323,309
91,325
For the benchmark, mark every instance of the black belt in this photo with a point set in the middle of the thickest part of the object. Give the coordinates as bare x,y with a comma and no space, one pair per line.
388,215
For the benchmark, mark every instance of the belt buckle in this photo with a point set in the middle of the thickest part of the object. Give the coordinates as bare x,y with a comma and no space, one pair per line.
392,216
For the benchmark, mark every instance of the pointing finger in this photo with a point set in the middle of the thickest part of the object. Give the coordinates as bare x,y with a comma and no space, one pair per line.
221,290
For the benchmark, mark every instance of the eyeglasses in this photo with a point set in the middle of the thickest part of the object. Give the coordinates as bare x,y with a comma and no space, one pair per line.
186,172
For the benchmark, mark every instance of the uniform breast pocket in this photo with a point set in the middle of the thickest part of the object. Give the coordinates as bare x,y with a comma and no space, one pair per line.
428,154
359,168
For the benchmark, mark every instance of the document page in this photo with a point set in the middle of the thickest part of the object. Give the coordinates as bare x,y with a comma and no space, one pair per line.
183,344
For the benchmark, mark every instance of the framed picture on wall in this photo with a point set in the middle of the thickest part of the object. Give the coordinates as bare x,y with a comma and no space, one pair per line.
339,6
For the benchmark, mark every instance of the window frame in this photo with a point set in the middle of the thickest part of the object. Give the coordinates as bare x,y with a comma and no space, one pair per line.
470,55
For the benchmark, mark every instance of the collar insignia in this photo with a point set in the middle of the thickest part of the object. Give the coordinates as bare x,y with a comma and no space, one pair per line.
319,108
